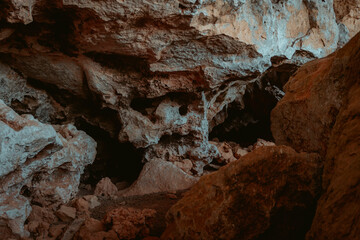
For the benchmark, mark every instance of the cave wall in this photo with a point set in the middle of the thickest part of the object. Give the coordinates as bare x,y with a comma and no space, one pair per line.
160,75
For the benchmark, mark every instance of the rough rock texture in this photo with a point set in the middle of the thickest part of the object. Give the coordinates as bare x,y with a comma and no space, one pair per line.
167,71
105,188
269,193
120,223
159,75
160,176
39,161
323,99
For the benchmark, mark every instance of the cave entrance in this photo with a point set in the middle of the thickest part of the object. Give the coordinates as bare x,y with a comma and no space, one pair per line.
121,162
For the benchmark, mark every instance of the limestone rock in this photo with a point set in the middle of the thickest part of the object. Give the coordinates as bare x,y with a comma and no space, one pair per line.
167,68
92,200
225,151
39,159
23,99
105,188
17,11
262,142
348,15
66,214
160,176
270,193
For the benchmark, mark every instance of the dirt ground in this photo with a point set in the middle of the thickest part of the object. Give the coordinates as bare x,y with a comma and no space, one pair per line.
161,202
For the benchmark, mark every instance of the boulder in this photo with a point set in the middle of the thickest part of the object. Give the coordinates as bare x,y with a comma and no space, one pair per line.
270,193
320,113
160,176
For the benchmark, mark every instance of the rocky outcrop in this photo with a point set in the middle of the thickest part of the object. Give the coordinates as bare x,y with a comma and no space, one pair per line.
39,163
167,71
269,193
319,113
160,176
159,75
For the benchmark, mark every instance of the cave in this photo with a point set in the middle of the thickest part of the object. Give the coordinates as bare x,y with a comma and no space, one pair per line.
179,119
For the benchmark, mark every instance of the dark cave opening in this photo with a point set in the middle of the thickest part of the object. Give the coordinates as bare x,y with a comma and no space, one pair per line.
245,126
121,162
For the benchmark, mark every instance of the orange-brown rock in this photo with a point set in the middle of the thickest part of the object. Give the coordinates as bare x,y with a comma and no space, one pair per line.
270,192
320,112
120,223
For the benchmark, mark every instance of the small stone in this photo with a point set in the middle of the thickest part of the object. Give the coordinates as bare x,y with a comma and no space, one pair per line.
106,188
92,200
56,230
261,142
240,152
82,206
73,229
66,214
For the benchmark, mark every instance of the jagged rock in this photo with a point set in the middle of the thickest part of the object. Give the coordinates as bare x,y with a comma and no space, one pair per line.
270,193
262,142
304,118
106,188
23,99
57,69
72,229
17,11
39,159
41,214
66,214
120,223
348,14
160,176
129,223
321,109
92,200
225,151
183,61
56,230
239,152
92,229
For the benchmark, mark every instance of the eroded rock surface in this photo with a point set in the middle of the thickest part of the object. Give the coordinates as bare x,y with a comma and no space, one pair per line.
159,75
270,193
319,113
38,160
168,70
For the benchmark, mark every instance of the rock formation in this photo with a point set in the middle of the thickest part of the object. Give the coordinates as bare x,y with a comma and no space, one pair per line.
39,160
167,70
323,98
319,115
164,77
270,192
